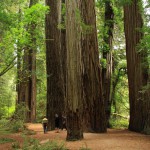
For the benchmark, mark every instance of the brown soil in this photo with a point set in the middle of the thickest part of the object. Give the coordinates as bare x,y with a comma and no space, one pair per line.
112,140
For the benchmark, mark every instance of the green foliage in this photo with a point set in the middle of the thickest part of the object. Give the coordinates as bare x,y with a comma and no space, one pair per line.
124,2
35,14
28,132
18,17
17,126
103,62
52,145
145,88
41,107
6,140
20,113
62,25
33,144
7,95
119,123
119,87
18,119
4,129
15,34
121,96
122,64
19,36
41,86
3,123
15,145
144,46
85,28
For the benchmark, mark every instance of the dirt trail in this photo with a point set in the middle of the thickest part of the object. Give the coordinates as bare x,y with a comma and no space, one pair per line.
112,140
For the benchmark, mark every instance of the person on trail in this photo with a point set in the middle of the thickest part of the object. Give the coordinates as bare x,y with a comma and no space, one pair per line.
45,123
64,122
57,123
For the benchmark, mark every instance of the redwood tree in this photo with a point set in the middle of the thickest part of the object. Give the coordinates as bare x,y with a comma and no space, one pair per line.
94,110
55,86
74,89
107,55
63,43
137,69
27,75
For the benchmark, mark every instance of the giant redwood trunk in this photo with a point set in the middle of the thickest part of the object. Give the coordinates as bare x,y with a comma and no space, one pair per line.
63,45
27,77
74,89
137,69
107,55
94,110
55,87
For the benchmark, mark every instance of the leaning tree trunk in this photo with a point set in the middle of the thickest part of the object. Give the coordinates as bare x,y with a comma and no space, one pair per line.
137,69
55,87
107,54
74,93
94,110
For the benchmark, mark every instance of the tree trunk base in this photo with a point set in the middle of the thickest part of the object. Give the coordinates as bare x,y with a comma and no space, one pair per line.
74,127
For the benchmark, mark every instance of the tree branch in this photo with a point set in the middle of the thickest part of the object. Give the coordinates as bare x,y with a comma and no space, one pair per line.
8,67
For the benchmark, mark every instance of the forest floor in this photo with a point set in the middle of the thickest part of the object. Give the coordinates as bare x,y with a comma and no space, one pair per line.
114,139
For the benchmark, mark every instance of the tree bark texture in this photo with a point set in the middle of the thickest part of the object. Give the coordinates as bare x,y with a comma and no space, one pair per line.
63,46
107,54
137,69
94,110
55,85
27,81
74,92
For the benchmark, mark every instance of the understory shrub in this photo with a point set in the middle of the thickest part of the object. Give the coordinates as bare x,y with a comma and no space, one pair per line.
34,144
18,119
6,140
120,123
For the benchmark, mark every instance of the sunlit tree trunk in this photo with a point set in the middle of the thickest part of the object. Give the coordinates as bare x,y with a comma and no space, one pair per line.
137,69
55,86
107,55
74,92
94,111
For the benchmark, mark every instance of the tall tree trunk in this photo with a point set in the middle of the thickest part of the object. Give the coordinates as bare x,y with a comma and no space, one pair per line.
27,81
94,110
137,69
32,69
19,76
107,54
114,85
63,45
55,86
19,67
74,93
